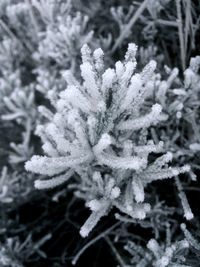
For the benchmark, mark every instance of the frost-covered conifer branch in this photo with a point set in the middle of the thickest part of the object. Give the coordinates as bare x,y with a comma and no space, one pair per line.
13,186
180,99
163,253
109,132
169,255
21,110
97,123
62,38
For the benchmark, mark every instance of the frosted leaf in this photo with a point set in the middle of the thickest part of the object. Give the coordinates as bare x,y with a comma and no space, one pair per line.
132,91
148,71
174,73
94,219
189,77
107,80
98,56
143,122
126,76
154,247
52,166
149,148
51,183
195,64
149,176
86,53
187,210
90,80
92,126
119,69
131,52
73,96
186,207
134,163
138,189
